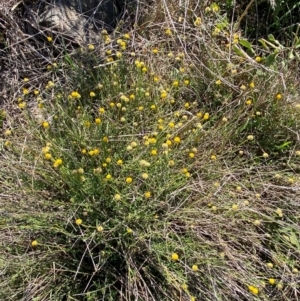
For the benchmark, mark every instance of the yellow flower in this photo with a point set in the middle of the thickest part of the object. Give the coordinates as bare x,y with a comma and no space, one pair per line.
177,140
75,95
258,59
265,155
34,243
235,207
126,36
25,91
250,137
163,94
197,22
215,7
154,152
120,162
186,82
50,84
100,228
168,32
129,180
117,197
278,211
257,222
108,177
78,221
91,47
147,194
184,287
175,257
213,157
49,39
92,94
272,281
80,170
176,83
252,85
171,163
154,50
224,119
129,231
46,149
45,124
278,96
218,82
7,143
243,87
249,102
192,155
47,156
206,116
97,120
57,162
254,290
195,268
7,133
145,176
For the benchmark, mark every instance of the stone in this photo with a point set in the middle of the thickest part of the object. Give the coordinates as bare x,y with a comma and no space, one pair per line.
82,20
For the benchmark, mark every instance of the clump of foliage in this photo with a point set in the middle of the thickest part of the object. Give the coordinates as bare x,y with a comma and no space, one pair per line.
162,165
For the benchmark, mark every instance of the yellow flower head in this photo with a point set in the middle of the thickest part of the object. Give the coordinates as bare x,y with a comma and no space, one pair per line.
49,39
129,180
75,95
258,59
78,221
57,162
168,32
175,257
147,194
197,22
34,243
117,197
177,140
91,47
272,281
254,290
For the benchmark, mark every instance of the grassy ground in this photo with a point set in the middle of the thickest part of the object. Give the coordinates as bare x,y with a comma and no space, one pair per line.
167,170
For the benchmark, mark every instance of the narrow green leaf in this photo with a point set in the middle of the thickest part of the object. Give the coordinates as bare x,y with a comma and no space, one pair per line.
246,44
262,41
238,51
